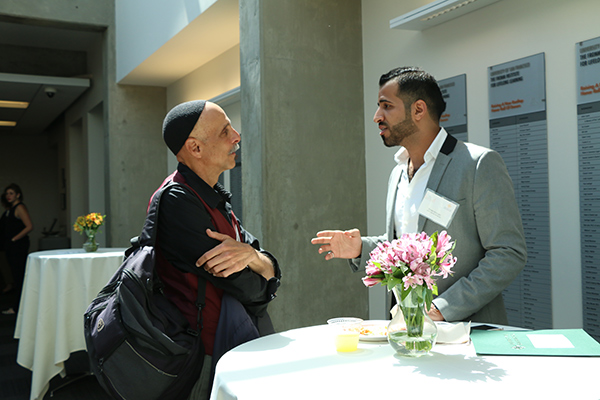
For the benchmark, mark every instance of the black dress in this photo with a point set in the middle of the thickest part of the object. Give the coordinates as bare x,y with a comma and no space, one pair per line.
16,252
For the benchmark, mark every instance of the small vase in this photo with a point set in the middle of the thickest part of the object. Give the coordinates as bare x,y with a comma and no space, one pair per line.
411,332
90,244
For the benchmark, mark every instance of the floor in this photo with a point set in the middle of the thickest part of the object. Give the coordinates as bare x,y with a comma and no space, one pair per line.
15,381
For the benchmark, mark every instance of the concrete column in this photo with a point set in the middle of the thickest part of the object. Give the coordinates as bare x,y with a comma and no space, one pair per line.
77,196
303,146
95,168
137,162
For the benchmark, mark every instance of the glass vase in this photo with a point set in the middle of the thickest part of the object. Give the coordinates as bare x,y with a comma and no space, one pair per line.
90,244
411,332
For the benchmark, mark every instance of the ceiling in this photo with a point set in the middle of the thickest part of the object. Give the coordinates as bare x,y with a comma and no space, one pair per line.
204,38
220,23
49,96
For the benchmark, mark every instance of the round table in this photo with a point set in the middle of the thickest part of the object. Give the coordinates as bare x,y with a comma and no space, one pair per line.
303,364
57,289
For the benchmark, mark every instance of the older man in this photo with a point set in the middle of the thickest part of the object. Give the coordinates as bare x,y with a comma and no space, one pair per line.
490,245
200,241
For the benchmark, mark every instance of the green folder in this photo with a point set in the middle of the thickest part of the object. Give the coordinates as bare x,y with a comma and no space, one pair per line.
550,342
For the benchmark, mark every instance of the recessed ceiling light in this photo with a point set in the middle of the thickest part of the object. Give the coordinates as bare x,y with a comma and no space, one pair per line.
13,104
8,123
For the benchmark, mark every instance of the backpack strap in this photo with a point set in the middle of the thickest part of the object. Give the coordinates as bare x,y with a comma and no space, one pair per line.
220,222
149,234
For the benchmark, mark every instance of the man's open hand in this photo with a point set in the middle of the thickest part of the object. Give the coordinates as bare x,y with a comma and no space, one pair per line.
339,244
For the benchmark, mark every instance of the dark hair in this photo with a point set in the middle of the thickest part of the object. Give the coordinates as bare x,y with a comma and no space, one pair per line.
415,84
14,187
5,202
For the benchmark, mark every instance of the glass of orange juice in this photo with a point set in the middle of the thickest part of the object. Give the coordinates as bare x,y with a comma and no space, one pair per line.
346,331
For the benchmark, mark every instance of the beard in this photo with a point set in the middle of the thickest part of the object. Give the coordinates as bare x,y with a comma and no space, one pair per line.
235,148
399,132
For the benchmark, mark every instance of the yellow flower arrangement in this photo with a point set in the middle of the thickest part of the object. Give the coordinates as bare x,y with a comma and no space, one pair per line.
89,223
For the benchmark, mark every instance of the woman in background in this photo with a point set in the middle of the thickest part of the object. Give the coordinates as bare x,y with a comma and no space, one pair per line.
18,225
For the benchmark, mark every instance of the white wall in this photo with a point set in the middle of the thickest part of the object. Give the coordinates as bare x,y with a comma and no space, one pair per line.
211,80
504,31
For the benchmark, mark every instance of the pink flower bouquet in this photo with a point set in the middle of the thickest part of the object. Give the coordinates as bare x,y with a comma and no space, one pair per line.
412,261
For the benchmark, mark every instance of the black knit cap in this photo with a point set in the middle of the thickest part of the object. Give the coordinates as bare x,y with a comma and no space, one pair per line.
180,122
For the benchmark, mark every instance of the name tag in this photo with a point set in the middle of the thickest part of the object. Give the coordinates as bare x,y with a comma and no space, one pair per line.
437,208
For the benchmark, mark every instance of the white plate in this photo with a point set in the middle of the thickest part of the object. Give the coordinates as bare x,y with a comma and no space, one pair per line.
378,331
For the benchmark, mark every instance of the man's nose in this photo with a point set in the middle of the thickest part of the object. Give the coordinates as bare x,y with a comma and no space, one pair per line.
237,136
377,118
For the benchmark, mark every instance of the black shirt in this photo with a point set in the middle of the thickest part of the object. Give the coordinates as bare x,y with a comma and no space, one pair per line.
182,238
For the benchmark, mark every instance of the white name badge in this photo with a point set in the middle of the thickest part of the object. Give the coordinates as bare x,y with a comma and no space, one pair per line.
437,208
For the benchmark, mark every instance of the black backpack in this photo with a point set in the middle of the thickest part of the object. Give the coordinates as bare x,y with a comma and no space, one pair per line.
139,344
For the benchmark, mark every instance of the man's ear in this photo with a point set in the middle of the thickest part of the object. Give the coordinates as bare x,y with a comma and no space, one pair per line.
419,110
192,146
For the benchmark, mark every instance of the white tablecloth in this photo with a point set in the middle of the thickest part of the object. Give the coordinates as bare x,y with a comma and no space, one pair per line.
59,285
303,364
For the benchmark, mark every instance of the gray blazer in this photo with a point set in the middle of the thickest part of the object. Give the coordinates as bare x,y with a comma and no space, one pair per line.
490,244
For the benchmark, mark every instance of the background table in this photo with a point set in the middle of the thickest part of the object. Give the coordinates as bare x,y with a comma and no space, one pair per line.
303,364
58,287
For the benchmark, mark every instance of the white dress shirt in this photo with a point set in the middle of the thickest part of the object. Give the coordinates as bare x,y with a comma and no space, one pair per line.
410,194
